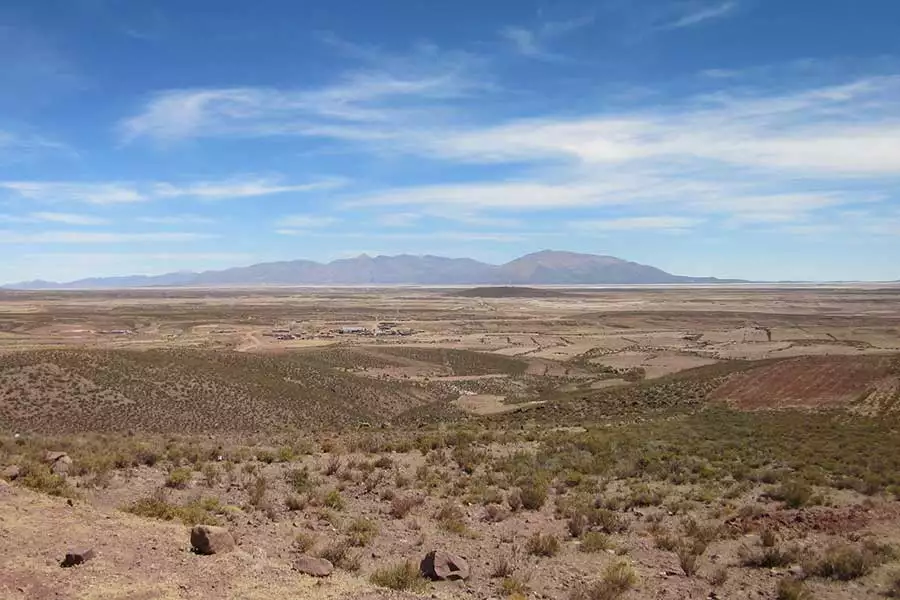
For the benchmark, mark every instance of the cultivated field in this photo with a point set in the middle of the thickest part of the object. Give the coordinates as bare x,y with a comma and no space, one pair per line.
721,442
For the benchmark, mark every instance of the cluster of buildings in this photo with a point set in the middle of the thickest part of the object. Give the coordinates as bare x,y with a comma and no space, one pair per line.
380,329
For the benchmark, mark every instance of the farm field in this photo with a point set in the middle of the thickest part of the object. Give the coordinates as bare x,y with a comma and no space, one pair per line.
584,444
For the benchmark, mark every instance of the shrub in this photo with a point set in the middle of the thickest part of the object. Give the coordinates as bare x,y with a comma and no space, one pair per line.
402,505
333,465
718,577
304,542
340,555
845,563
689,558
179,478
40,478
401,577
794,494
450,518
299,480
157,506
666,541
594,541
543,545
768,538
334,500
495,513
789,588
362,531
505,567
295,502
766,558
514,499
257,491
514,587
617,580
534,495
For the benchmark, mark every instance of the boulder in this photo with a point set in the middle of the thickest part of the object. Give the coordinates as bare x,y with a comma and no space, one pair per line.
439,566
315,567
11,473
77,557
60,462
207,539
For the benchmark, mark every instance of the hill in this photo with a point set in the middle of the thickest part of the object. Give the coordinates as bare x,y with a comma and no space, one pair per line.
545,267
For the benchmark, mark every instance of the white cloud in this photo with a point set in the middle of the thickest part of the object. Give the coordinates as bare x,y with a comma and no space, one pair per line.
68,218
700,13
407,219
89,193
533,42
176,220
659,223
81,237
304,222
239,188
108,193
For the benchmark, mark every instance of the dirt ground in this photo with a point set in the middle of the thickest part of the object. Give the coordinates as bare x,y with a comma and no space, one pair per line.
708,442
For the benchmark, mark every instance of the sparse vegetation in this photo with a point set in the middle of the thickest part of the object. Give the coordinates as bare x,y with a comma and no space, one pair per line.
617,580
543,544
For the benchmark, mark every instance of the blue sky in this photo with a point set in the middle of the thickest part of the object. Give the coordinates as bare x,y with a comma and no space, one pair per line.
745,138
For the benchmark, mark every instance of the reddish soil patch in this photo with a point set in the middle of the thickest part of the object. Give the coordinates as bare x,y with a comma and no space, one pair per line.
832,521
820,381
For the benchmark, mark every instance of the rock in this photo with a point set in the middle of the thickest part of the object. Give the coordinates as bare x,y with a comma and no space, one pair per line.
77,557
439,566
60,462
315,567
11,473
208,539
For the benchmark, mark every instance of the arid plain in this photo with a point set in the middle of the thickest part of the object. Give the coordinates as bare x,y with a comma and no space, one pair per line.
650,442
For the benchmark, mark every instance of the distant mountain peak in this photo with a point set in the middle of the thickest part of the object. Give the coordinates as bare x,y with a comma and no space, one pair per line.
547,267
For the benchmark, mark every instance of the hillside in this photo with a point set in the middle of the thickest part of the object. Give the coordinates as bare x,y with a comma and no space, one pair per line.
63,391
545,267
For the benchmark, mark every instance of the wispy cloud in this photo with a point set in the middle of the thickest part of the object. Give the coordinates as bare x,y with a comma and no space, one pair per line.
187,219
68,218
696,13
392,90
107,193
656,223
535,42
305,221
82,237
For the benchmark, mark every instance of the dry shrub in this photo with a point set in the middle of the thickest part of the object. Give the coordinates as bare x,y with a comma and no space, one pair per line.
541,544
402,505
304,542
340,554
789,588
617,580
594,541
362,531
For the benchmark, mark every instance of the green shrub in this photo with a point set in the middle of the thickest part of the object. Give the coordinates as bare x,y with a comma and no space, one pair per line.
534,495
617,580
361,532
794,494
334,500
40,478
401,577
179,478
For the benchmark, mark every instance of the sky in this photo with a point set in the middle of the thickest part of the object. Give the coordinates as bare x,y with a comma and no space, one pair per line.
734,138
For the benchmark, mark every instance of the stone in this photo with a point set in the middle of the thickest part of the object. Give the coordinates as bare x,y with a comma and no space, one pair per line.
60,462
314,567
208,539
440,566
77,557
11,473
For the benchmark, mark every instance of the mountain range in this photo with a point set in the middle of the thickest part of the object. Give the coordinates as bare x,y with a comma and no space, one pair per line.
547,267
